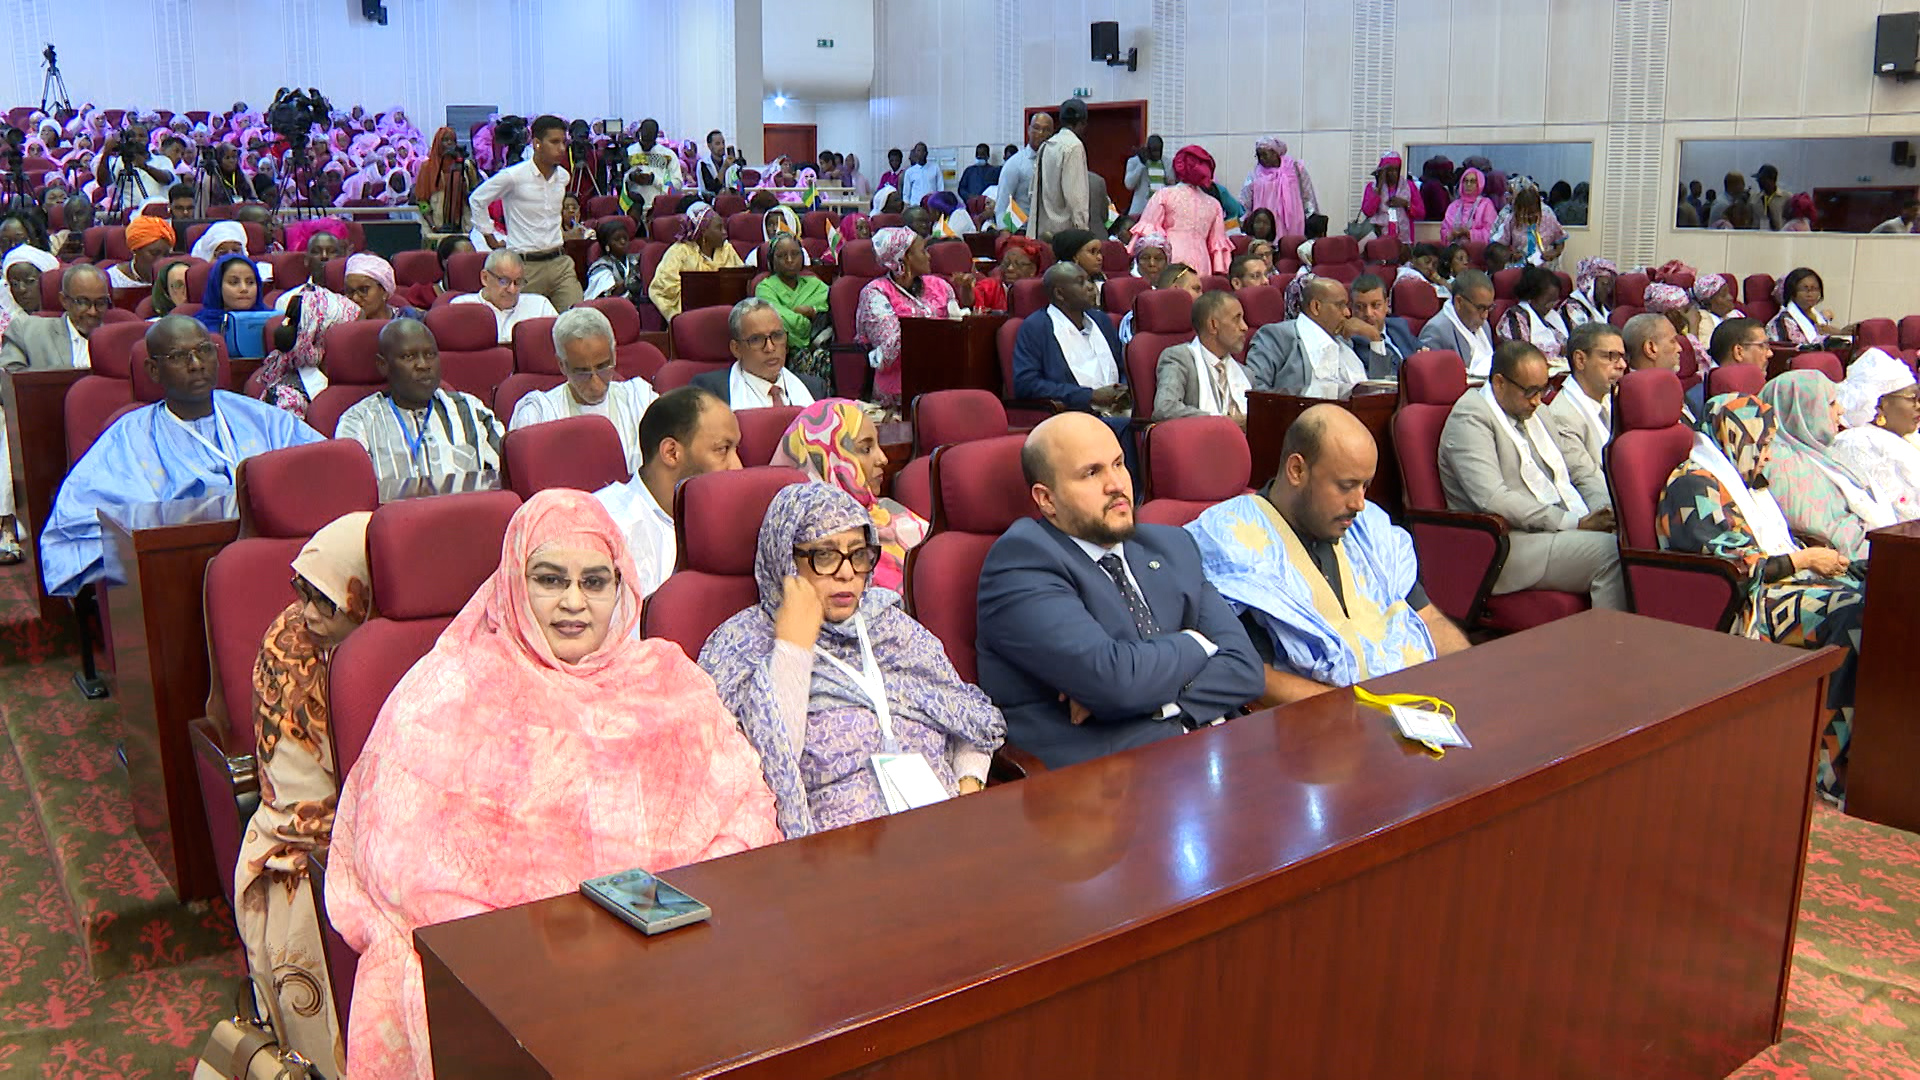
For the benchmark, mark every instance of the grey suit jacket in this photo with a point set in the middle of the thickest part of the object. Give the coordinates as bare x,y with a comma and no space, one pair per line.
37,342
1480,471
1572,432
1440,334
1277,361
1176,383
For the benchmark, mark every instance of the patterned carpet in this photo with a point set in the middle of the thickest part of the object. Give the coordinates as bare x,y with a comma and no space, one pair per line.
103,975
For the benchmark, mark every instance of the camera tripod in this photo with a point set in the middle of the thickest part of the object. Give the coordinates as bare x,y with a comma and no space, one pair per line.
53,92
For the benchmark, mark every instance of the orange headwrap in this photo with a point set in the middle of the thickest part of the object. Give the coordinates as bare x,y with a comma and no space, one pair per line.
144,230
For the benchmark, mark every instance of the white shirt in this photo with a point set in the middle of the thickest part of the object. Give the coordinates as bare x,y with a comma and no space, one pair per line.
291,295
626,402
649,531
146,191
745,390
532,205
1597,412
1088,354
1237,382
82,352
529,306
919,181
1334,368
118,278
1096,553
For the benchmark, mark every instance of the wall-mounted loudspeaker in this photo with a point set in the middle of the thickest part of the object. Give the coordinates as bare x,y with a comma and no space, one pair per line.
1106,41
374,11
1903,153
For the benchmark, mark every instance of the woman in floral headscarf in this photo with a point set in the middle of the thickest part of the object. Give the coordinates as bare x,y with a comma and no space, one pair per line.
1676,304
1278,183
1713,295
701,245
1592,295
292,377
1817,496
785,668
1190,218
907,290
1151,252
1019,260
1718,502
834,442
1472,215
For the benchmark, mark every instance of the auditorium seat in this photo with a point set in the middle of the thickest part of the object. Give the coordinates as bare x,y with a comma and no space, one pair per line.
106,389
411,268
1117,295
1383,251
632,357
1461,554
352,373
1162,319
675,374
1262,304
533,351
1192,463
1026,297
463,271
858,265
471,358
1289,249
427,557
1477,254
750,228
602,206
1505,282
1824,362
978,491
285,496
700,334
1876,334
886,221
1910,332
1695,590
716,518
1630,290
761,430
1337,257
1415,301
1022,413
580,452
1114,260
943,418
949,257
813,224
1735,379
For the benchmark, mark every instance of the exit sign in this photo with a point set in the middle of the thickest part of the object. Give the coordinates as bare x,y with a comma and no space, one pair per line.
1082,91
823,43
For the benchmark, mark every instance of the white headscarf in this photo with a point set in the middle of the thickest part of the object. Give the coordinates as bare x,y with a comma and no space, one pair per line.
220,232
23,253
1872,376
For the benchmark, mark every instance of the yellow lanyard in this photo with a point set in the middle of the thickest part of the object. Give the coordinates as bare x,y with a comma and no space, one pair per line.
1384,702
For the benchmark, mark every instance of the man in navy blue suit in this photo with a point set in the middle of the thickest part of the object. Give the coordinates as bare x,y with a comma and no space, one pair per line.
1069,353
1096,635
1382,343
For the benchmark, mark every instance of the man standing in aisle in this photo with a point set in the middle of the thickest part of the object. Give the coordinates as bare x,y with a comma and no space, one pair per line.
920,179
1060,190
1016,177
659,167
532,192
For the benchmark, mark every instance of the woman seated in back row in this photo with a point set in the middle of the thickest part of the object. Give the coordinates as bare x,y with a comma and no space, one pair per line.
1718,502
835,442
1802,321
1879,449
700,245
1814,492
293,734
907,289
540,743
800,299
827,672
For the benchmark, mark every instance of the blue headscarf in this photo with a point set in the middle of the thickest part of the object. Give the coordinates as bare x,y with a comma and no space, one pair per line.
213,303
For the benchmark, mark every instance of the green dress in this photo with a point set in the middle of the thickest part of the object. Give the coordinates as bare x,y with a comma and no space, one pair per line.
806,291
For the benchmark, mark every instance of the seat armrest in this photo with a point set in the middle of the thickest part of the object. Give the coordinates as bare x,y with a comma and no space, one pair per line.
208,746
1689,563
1491,526
1011,763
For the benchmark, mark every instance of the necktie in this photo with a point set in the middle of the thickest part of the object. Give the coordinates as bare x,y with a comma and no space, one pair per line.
777,395
1136,604
1224,391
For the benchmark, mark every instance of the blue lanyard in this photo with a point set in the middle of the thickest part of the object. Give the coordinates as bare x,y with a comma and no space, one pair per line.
414,441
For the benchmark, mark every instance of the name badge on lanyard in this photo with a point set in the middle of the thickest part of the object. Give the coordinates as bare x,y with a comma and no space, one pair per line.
415,439
229,454
907,781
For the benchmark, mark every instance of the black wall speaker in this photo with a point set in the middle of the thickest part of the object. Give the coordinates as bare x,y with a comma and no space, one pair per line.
1106,40
1896,45
374,11
1903,153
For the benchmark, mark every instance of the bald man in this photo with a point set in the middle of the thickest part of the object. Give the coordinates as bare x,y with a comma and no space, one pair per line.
186,446
417,429
1096,634
1308,356
1328,586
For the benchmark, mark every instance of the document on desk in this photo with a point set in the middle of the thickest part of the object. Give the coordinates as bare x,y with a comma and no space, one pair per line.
1427,726
907,781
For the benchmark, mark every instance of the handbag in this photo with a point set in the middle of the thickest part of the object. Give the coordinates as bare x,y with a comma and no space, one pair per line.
243,1048
1360,228
245,333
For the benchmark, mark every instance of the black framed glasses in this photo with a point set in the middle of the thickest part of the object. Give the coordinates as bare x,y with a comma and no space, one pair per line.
310,595
206,352
761,341
826,562
88,303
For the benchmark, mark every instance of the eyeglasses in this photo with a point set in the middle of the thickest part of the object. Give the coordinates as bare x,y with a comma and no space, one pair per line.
761,341
1909,398
504,281
206,352
604,373
1531,393
86,303
1617,356
310,595
826,562
1460,300
357,293
594,584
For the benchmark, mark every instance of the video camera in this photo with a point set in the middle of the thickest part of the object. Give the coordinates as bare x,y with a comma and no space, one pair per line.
510,138
293,113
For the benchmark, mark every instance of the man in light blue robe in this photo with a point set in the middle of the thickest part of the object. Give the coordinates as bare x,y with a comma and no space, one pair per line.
183,447
1327,586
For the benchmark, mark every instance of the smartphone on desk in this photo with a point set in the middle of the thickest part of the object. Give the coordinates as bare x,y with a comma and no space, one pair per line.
644,901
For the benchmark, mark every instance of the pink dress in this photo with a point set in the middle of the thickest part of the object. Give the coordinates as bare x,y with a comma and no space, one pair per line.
1194,227
877,323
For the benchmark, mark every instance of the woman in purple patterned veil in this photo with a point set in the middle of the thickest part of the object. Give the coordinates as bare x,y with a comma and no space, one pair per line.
793,668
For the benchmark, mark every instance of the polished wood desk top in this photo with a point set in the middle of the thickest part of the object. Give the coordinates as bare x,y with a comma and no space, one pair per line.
835,951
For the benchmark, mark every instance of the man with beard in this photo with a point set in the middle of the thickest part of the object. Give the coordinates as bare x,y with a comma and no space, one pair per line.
1095,634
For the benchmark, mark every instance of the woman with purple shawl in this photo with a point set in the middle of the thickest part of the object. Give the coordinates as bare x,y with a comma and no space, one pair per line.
792,669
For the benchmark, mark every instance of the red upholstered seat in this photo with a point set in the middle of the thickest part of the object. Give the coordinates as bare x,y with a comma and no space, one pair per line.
716,519
463,271
580,452
943,418
843,304
533,351
857,259
950,257
1910,332
1027,296
415,268
295,491
1824,362
1415,301
290,268
1461,554
1114,259
1477,254
1021,413
352,372
1381,249
747,227
1755,288
1505,282
886,221
761,431
94,398
978,492
1876,334
675,374
701,334
1192,463
1162,318
1695,590
471,358
1117,295
813,224
1631,290
1338,257
516,386
1263,304
633,358
1735,379
1619,315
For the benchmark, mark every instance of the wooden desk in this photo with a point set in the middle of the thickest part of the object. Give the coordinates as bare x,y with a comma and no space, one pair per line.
716,288
1270,415
1883,765
949,354
1605,885
35,402
160,679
